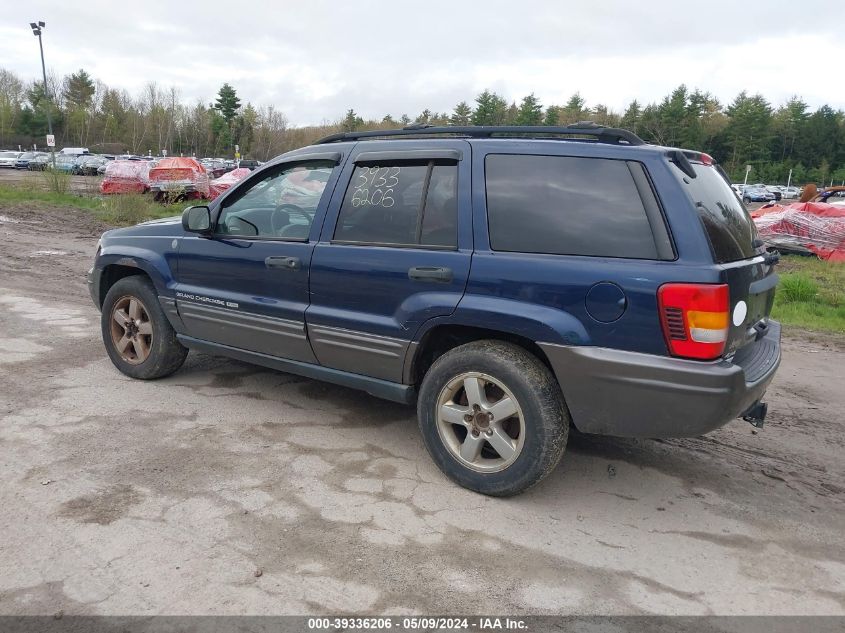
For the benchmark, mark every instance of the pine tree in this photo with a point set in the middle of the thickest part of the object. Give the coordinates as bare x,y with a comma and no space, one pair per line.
530,111
78,89
574,110
789,121
227,103
552,116
351,121
631,118
425,116
749,129
490,109
461,115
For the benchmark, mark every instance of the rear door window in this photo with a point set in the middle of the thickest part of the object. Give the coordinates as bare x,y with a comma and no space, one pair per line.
566,206
401,204
728,226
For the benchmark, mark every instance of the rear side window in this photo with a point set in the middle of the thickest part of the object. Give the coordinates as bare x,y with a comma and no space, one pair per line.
566,206
403,204
728,226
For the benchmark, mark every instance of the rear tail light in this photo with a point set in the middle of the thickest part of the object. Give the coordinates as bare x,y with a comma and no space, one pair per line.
695,319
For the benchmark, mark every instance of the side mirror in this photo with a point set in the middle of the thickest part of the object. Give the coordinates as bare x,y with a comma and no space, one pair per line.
197,220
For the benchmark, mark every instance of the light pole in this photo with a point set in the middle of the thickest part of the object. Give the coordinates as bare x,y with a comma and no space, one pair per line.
36,31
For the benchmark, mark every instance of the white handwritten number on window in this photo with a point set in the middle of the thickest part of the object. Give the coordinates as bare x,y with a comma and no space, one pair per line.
374,186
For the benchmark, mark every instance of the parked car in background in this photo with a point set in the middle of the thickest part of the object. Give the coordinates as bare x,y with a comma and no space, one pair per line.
74,151
790,193
756,193
214,167
25,158
88,165
250,164
9,158
65,163
774,190
179,177
39,163
125,176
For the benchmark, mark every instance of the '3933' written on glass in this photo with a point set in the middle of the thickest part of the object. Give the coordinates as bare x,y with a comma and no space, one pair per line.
373,186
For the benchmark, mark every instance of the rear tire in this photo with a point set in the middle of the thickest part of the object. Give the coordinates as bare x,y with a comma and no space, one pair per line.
492,417
138,337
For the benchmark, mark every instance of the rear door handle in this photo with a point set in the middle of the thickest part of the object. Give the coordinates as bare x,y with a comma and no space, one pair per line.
430,273
285,263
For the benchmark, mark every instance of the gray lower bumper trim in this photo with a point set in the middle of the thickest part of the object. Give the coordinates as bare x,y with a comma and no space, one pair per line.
627,394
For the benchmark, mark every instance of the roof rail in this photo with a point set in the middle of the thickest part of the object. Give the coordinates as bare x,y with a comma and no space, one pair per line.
602,134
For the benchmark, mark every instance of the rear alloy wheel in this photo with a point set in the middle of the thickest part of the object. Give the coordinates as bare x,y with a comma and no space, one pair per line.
480,422
492,417
138,337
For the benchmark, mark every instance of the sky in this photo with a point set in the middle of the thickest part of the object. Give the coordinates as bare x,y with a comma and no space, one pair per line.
315,59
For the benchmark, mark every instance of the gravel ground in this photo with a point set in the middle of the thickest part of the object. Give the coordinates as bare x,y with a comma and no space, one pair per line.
230,489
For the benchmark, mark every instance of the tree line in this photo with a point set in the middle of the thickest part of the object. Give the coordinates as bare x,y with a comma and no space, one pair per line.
749,130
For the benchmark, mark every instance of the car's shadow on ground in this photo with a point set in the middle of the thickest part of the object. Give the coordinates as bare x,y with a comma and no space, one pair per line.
598,458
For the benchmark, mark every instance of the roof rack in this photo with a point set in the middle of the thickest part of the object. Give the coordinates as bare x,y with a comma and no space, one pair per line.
602,134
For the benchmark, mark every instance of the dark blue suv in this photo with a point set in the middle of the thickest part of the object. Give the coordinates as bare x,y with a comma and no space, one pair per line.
510,281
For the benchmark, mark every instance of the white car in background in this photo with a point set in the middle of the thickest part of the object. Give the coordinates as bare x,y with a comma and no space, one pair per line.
8,159
790,193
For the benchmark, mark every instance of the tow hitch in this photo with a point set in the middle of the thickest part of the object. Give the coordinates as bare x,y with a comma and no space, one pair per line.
756,414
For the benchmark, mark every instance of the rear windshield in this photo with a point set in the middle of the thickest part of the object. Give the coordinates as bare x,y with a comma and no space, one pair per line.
728,226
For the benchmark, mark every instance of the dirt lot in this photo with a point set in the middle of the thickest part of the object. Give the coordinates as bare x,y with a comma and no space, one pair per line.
232,489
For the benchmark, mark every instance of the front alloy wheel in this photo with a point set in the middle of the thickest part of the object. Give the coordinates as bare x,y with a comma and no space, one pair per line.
131,330
138,337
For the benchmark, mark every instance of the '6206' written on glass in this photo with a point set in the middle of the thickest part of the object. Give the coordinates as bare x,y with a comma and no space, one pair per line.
374,186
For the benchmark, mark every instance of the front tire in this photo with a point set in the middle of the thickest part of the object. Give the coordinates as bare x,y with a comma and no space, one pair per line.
138,337
492,417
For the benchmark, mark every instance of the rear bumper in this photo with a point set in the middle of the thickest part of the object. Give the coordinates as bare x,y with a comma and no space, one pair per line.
627,394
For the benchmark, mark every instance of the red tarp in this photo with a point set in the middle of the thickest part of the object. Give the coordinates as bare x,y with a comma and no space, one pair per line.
226,181
809,226
126,176
179,174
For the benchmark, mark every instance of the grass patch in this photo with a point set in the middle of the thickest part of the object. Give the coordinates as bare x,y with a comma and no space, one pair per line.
28,193
798,288
117,210
55,181
811,294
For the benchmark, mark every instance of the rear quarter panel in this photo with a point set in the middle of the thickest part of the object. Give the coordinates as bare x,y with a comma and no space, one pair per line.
543,297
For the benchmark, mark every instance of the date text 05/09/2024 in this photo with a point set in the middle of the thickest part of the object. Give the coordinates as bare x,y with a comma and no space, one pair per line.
417,623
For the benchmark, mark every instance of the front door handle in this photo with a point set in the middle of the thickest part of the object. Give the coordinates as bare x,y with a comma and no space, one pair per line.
430,273
285,263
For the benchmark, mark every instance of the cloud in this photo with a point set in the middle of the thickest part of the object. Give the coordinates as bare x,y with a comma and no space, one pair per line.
315,59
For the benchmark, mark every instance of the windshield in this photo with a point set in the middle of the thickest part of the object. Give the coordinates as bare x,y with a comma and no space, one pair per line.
726,221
